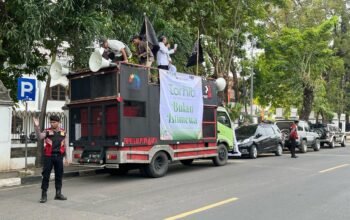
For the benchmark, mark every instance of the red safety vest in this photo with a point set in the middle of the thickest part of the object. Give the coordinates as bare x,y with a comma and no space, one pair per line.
48,141
293,132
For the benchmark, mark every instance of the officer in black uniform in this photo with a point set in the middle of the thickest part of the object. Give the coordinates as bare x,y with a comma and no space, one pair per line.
54,152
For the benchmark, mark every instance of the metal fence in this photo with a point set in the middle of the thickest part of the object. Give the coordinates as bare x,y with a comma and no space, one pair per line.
22,120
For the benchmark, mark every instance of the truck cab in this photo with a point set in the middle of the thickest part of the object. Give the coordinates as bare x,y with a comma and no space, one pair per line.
226,131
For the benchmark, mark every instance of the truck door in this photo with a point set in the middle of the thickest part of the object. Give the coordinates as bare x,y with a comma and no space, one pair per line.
225,130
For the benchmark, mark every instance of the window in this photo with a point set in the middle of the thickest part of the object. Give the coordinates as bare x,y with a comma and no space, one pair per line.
307,128
58,93
300,126
261,131
17,125
224,119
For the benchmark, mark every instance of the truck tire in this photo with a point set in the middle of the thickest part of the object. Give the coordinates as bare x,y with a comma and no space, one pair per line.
187,162
253,153
332,143
317,145
303,146
159,165
279,151
222,157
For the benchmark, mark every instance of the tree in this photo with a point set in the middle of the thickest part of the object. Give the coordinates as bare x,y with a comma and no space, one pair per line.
32,32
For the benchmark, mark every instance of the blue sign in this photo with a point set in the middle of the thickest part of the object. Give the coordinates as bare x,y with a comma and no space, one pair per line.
26,89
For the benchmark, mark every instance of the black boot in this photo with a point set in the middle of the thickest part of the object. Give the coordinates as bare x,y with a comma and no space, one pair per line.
59,195
43,198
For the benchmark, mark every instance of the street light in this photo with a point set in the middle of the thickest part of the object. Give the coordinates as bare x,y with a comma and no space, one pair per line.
253,43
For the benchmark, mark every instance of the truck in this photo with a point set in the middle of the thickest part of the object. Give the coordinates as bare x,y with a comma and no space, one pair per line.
119,120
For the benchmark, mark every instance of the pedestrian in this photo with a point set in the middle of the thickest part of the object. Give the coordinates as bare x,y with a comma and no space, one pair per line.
115,50
143,51
293,136
54,152
163,54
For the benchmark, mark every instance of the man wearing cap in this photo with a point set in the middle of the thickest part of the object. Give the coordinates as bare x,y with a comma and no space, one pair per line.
144,53
54,151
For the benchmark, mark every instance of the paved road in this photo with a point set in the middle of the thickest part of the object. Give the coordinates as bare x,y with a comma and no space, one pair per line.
314,186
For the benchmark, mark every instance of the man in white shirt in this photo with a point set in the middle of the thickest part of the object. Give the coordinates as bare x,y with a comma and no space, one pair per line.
115,50
163,54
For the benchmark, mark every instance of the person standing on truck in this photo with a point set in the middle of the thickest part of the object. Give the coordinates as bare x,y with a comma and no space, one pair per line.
144,53
54,152
163,54
293,136
115,50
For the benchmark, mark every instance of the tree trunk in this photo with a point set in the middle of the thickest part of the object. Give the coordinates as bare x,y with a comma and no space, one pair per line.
40,143
308,100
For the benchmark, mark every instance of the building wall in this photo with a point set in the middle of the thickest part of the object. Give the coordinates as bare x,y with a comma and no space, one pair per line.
5,136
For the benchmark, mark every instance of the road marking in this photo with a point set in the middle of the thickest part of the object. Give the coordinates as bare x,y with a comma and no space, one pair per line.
185,214
333,168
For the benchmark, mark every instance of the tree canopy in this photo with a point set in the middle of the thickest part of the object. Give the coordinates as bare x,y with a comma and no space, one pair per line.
304,63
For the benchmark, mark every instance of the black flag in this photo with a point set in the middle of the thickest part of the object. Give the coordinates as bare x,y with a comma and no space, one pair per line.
149,35
197,50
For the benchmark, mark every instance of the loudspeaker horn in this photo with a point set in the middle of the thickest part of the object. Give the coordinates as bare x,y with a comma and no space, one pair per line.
56,70
97,62
220,84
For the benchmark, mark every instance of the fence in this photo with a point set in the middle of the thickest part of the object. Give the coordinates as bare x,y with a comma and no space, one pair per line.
22,118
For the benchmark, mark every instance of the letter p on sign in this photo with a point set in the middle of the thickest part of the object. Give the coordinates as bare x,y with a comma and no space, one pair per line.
26,89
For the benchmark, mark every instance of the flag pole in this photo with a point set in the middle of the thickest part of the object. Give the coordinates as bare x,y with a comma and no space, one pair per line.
144,17
197,51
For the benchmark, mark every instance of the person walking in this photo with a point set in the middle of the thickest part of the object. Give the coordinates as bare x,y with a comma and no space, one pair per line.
54,152
293,136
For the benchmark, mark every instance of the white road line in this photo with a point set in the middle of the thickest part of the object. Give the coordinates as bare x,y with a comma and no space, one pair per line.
185,214
333,168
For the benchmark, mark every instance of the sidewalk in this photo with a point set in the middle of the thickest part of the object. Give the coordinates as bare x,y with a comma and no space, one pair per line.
33,175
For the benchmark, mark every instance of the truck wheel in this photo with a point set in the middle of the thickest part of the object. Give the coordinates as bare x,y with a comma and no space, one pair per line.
317,145
159,165
222,157
187,162
343,143
253,153
332,143
279,151
303,146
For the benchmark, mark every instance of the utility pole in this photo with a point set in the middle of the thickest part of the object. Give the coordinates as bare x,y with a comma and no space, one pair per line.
252,76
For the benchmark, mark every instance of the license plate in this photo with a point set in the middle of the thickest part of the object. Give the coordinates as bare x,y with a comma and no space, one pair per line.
244,151
94,156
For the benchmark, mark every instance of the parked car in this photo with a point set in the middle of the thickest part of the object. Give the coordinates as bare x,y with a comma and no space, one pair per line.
306,137
259,138
330,134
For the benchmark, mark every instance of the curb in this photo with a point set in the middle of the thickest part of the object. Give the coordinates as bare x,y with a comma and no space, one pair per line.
27,180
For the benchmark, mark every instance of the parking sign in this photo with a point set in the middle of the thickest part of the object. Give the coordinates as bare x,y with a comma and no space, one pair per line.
26,89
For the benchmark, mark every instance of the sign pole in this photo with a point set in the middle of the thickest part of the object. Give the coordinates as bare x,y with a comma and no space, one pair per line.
26,92
26,134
